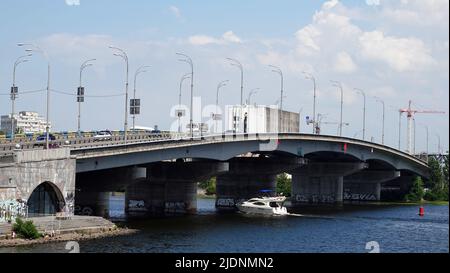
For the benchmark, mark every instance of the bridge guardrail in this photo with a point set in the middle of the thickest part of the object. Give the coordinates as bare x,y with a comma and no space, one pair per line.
161,139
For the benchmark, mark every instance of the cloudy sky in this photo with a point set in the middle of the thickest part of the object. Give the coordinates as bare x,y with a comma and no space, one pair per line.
397,50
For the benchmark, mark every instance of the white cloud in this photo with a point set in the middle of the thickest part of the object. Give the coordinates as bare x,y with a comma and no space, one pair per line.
429,13
202,40
344,63
229,36
175,11
401,54
373,2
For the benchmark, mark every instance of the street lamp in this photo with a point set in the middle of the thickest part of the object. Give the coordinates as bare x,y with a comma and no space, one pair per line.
188,60
122,54
309,76
277,70
339,85
384,115
239,65
220,85
35,48
185,77
241,68
139,71
360,91
252,92
439,143
400,131
15,91
80,97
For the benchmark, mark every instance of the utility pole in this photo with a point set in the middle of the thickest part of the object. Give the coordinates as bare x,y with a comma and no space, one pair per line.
339,85
15,92
277,70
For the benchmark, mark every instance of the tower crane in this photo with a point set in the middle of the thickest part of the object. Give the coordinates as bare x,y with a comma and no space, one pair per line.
410,113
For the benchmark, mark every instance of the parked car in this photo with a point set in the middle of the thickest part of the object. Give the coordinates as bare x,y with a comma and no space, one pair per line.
103,136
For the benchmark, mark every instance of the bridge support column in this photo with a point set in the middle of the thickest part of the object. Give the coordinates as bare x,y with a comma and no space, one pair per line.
92,203
366,185
170,188
321,182
248,176
94,188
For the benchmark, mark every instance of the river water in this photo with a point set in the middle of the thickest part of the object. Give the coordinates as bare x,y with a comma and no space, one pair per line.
394,228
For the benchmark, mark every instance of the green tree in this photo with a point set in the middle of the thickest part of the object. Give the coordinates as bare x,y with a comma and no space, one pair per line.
284,184
445,170
438,180
209,186
416,193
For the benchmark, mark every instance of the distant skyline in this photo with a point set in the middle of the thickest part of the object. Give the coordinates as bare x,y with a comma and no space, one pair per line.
397,50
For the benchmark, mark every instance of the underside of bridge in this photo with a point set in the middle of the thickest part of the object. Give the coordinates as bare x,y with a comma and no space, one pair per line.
322,173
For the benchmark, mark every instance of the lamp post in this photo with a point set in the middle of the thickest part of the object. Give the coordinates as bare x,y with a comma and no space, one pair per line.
384,118
140,70
185,77
400,131
427,139
252,92
15,91
439,144
277,70
35,48
360,91
122,54
339,85
220,85
188,60
239,65
309,76
80,97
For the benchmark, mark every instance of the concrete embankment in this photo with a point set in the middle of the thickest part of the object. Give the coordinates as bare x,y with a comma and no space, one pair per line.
59,230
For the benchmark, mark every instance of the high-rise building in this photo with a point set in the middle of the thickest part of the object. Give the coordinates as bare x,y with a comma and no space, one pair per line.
24,122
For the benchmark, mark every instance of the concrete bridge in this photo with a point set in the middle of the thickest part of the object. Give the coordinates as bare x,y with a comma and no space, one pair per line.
160,174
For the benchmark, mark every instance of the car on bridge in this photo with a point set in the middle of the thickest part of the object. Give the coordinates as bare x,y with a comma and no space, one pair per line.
41,139
103,136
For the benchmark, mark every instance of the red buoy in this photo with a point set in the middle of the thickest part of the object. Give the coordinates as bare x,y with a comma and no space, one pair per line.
422,211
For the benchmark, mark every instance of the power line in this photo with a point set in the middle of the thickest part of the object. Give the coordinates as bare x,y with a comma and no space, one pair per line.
93,96
25,92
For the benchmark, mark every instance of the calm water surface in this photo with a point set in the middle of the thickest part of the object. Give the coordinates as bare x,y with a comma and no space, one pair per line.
330,230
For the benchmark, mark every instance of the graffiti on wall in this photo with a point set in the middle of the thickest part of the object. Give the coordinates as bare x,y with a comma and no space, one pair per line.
315,198
12,209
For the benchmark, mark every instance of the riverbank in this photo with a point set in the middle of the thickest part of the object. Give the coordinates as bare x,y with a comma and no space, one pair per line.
68,237
77,228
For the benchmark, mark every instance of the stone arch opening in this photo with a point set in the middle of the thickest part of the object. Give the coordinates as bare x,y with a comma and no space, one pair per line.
46,199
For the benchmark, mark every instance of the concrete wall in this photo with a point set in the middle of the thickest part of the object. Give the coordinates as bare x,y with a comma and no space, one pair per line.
19,179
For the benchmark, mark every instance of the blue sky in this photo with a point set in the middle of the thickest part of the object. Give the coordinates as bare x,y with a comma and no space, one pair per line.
397,50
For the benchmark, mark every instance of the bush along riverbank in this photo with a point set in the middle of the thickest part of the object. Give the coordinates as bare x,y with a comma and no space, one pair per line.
78,228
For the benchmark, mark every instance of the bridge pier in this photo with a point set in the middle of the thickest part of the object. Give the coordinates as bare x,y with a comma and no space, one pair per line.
248,176
170,188
94,188
321,182
366,185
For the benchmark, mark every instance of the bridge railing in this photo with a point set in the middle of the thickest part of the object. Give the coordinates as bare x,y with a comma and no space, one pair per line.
7,150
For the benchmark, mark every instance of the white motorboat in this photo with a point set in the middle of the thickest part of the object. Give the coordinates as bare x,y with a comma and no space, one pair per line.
270,206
